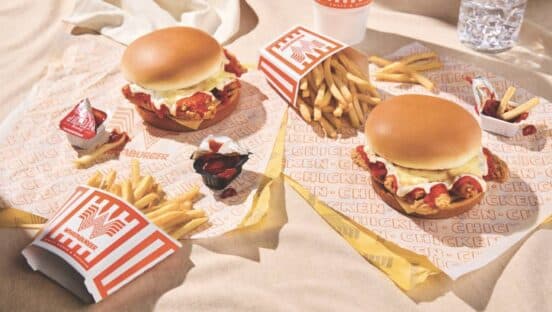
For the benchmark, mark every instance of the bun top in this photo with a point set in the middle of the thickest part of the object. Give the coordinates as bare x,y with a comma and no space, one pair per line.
172,58
423,132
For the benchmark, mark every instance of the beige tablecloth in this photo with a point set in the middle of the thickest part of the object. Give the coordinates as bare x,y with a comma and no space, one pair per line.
293,260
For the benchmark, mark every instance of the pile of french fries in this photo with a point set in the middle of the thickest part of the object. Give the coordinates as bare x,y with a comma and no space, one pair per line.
508,110
175,216
335,88
408,69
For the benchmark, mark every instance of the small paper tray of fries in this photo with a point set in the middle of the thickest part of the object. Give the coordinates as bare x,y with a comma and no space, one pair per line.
325,80
108,233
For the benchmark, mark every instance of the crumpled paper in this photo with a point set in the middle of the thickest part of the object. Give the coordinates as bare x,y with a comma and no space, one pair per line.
126,20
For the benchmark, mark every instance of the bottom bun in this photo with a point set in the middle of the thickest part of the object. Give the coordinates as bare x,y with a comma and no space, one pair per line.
166,123
454,209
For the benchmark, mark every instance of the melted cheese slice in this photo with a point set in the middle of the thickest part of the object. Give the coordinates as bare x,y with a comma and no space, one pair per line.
414,176
170,97
409,179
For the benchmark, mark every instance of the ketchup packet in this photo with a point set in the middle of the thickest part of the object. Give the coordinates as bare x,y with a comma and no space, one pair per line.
219,160
85,126
96,244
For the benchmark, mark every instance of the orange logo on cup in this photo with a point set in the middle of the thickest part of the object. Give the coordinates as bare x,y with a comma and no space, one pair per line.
344,4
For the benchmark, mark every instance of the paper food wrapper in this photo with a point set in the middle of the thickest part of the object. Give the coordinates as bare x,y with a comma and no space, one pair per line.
457,245
39,175
294,54
96,244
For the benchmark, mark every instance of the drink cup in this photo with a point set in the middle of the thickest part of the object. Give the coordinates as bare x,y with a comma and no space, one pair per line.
490,26
344,20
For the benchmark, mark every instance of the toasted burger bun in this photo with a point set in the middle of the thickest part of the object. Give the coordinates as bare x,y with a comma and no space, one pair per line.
166,123
423,132
455,208
172,58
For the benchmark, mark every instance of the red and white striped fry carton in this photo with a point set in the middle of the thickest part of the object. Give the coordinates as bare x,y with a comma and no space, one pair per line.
96,244
295,53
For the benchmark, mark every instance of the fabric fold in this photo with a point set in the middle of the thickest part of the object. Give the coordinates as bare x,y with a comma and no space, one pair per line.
126,20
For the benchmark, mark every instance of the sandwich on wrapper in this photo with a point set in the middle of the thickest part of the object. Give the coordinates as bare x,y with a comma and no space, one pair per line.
181,79
426,158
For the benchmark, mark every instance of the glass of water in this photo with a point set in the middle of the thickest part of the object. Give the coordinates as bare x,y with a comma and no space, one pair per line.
490,25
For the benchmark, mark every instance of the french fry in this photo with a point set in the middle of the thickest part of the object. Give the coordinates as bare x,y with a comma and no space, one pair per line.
317,113
394,68
328,77
430,63
351,66
173,206
355,70
305,111
318,76
425,66
327,109
126,191
357,80
365,108
338,111
400,67
337,123
353,117
423,80
134,172
407,69
522,108
146,200
303,84
193,214
159,191
312,84
343,88
143,187
326,100
368,99
185,205
190,195
355,102
394,77
418,57
115,189
95,180
380,61
328,128
108,180
320,95
169,219
505,101
188,227
87,160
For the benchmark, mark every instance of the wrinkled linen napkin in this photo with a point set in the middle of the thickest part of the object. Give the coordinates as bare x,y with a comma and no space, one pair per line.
126,20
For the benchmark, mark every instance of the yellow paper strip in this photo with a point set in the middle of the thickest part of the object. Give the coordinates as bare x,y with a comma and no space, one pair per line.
10,217
273,170
405,268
